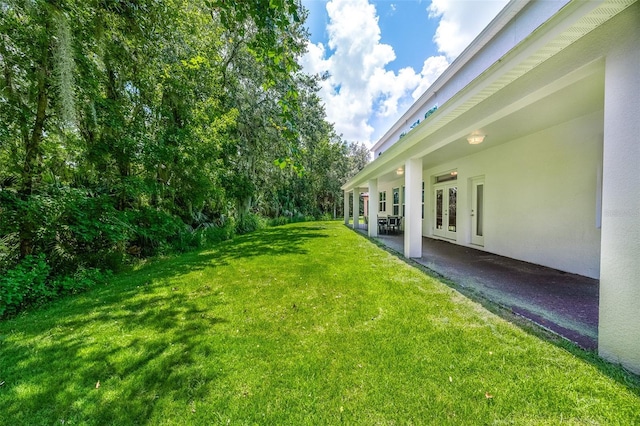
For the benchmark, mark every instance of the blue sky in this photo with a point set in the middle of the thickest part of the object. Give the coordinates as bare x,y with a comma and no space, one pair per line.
383,54
404,24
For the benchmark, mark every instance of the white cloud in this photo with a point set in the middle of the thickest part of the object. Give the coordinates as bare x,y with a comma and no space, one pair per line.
360,90
431,70
356,65
313,61
461,21
390,88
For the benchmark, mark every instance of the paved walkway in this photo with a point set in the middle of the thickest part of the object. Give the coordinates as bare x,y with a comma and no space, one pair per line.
564,303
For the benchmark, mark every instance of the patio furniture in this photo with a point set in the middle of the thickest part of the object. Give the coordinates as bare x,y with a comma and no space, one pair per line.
383,225
394,223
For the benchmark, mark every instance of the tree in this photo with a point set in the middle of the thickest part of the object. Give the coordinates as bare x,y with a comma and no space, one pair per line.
264,89
359,156
130,127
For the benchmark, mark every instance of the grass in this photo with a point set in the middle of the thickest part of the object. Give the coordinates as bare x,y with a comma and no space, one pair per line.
308,323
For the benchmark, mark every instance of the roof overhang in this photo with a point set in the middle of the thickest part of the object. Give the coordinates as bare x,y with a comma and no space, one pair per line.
486,35
502,88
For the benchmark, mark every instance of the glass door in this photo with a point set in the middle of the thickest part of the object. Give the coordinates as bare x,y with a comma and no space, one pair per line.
446,217
439,197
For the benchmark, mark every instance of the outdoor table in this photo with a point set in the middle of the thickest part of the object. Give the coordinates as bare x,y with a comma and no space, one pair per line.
389,223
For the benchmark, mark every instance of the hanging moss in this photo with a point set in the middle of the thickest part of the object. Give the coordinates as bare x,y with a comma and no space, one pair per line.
64,69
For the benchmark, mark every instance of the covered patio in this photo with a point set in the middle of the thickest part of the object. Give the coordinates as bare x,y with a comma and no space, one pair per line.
566,304
523,153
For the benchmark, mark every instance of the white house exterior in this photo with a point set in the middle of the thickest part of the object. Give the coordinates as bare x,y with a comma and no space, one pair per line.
554,88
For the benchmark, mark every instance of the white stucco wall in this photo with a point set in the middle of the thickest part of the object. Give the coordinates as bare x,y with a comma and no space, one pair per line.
619,325
540,196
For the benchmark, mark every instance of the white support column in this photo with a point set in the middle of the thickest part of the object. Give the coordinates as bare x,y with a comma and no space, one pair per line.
356,207
373,207
619,322
346,207
413,202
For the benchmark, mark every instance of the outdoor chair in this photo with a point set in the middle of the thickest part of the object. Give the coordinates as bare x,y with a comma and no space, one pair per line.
394,224
382,225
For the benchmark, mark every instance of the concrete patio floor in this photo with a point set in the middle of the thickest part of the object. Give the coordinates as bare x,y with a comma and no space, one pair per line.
564,303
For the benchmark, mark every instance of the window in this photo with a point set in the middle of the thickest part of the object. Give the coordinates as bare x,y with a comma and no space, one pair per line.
423,199
403,192
383,202
396,201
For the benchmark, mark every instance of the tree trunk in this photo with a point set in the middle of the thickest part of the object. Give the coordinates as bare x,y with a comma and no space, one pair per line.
32,160
244,206
31,166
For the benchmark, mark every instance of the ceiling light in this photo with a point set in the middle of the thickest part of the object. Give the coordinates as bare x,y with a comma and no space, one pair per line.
475,139
400,171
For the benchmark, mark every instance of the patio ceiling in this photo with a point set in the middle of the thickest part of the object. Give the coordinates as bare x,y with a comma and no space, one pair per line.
581,93
575,100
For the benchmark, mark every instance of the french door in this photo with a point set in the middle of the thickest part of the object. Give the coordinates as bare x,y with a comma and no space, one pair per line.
446,218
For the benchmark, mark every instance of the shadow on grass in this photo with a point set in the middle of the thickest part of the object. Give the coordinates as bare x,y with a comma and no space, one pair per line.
616,372
270,242
150,350
143,340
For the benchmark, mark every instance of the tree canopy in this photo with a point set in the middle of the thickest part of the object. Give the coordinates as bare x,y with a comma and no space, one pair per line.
133,127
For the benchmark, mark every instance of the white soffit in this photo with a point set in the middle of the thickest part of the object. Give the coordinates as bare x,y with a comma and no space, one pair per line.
551,45
572,22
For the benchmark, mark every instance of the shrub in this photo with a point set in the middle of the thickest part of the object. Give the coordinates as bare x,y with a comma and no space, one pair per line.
24,284
70,226
81,280
30,282
283,220
204,236
216,234
154,231
88,231
278,221
249,222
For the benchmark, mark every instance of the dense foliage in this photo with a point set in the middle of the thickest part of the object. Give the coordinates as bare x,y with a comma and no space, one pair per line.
131,128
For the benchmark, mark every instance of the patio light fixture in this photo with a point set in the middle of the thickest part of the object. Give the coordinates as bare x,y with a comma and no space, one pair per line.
475,139
400,171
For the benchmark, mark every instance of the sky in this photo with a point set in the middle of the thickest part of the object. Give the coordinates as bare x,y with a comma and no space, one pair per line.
381,55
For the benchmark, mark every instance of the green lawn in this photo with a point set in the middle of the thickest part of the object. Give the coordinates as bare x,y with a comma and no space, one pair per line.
304,324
